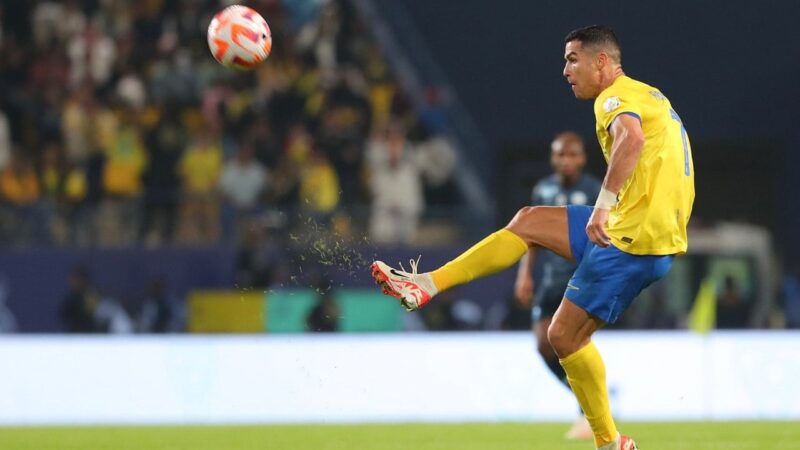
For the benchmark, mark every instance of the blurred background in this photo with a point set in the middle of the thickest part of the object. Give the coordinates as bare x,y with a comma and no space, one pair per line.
146,189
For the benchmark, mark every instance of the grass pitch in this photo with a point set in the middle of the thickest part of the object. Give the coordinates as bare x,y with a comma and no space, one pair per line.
505,436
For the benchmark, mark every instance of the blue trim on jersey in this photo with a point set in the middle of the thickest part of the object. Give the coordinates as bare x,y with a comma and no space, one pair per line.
632,114
677,118
607,279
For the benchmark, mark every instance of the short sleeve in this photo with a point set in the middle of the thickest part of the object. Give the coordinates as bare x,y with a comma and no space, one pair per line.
610,106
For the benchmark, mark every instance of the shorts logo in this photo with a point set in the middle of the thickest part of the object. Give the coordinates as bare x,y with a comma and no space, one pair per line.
611,104
569,286
627,240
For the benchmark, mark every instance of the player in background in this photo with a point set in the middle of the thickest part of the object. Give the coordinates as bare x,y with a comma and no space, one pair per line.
623,244
567,186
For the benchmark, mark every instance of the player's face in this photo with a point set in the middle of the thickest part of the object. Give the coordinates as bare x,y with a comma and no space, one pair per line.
582,71
567,157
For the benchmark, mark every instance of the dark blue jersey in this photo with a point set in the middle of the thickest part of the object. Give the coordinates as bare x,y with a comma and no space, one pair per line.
556,271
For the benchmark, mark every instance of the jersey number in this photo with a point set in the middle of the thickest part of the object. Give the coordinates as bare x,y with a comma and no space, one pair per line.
676,117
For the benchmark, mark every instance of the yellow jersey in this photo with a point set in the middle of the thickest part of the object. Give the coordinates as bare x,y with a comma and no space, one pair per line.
655,203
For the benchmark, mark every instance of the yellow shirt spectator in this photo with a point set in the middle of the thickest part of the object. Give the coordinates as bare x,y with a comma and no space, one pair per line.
126,161
75,185
200,167
19,184
319,186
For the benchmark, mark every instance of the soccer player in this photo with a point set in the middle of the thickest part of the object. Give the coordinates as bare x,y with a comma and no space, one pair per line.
567,186
621,245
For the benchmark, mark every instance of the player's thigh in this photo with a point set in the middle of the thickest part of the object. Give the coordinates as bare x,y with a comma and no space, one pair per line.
571,328
543,226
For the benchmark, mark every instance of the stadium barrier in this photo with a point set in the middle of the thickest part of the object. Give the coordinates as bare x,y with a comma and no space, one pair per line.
286,311
400,377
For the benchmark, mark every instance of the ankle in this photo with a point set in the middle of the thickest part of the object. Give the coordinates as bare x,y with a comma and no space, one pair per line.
613,445
427,281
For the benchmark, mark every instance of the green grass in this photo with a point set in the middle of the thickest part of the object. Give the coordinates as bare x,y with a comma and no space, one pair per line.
506,436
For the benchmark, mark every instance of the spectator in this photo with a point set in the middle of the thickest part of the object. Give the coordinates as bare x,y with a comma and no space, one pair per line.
319,187
56,21
791,298
432,115
80,304
255,269
76,210
320,38
91,55
21,192
122,181
436,159
243,182
19,184
5,140
732,310
160,312
111,317
86,124
324,317
131,91
396,182
8,323
53,177
161,182
199,170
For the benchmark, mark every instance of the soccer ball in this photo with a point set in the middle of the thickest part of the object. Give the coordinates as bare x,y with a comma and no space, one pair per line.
239,38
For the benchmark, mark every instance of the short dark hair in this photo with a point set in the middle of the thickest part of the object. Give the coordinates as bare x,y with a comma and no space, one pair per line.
599,36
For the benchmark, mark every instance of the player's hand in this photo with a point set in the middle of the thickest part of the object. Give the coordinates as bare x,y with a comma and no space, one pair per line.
596,228
523,288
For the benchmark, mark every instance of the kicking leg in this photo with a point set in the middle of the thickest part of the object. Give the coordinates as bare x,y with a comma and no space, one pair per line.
540,226
543,226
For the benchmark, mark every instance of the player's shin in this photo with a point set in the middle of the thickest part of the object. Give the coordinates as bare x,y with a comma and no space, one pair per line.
494,253
586,374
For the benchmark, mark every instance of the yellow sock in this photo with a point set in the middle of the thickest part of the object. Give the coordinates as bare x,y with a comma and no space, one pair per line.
586,374
494,253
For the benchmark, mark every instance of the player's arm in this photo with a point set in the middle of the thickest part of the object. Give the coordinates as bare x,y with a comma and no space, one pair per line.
523,287
625,151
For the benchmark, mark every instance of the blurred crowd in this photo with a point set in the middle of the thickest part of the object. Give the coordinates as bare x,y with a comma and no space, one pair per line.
117,127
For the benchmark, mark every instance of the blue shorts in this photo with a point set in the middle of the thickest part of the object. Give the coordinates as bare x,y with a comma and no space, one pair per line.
607,279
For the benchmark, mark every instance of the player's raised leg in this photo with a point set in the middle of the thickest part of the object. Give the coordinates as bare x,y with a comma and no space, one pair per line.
532,226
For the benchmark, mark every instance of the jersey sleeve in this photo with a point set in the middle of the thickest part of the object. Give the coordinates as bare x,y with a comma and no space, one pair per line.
610,105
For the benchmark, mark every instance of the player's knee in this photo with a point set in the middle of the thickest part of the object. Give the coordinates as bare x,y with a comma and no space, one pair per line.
524,217
527,212
559,339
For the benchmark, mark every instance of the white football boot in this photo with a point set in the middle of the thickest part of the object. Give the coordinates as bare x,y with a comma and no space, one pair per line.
412,289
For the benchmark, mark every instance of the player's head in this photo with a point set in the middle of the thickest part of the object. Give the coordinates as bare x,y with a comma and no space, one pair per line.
567,155
593,55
